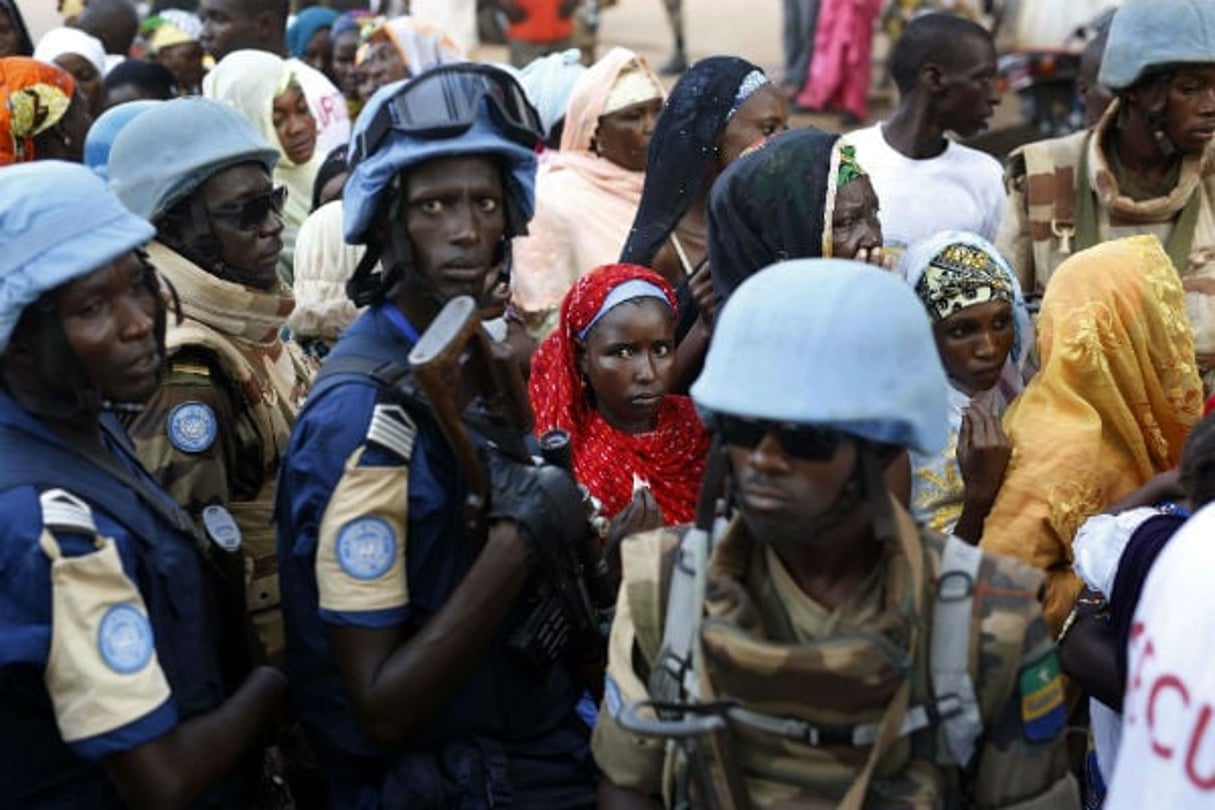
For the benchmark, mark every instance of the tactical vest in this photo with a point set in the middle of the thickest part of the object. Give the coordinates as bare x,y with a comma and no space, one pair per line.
172,576
1050,201
272,412
807,753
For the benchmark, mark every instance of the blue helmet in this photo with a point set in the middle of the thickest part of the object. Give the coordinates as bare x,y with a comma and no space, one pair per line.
448,111
832,343
1148,34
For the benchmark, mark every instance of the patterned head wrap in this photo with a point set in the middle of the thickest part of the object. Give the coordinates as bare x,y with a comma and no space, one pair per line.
171,27
670,458
952,270
960,276
34,96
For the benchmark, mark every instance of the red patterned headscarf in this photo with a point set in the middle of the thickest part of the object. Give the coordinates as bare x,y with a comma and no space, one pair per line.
670,458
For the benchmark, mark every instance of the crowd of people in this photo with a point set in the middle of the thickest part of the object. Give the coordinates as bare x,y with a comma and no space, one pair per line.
384,428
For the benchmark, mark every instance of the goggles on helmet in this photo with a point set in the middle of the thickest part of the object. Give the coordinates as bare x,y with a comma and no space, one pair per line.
444,102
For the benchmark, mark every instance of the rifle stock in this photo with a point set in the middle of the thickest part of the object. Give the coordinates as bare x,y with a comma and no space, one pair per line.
451,353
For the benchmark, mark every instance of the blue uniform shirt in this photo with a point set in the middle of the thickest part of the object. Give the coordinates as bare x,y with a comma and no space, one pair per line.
499,700
112,682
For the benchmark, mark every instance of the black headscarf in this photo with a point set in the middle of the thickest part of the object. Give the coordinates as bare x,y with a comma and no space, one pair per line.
770,205
683,149
333,165
25,45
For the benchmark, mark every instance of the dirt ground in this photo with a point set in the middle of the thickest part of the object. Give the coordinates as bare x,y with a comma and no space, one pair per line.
750,29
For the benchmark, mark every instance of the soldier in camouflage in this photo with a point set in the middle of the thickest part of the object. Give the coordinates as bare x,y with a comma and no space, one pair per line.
213,433
847,657
1146,167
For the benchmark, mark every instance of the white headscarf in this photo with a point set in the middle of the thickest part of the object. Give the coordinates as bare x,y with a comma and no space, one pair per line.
249,81
549,81
323,265
60,41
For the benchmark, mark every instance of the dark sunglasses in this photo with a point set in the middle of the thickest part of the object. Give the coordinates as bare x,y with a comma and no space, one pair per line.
444,101
251,214
800,441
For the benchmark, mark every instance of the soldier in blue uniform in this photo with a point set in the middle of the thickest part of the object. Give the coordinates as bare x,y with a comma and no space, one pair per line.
113,688
397,621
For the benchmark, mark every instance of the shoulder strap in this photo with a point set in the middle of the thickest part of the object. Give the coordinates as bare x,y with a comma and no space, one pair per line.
100,479
949,655
673,678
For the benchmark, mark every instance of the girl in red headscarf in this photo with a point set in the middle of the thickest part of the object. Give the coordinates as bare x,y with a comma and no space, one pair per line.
604,375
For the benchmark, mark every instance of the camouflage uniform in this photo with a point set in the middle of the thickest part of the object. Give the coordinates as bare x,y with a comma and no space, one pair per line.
770,648
214,431
1043,220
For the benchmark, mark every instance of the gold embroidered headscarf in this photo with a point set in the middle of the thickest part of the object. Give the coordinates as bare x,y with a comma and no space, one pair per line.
1117,393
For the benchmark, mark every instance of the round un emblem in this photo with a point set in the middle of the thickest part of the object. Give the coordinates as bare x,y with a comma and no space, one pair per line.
366,548
192,427
125,639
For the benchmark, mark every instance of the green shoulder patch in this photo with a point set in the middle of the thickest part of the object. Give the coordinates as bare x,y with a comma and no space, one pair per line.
1043,708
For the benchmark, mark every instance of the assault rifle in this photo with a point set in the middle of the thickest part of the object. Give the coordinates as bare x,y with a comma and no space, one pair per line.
472,381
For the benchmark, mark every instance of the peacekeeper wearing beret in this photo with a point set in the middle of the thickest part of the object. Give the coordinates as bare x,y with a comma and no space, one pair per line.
398,617
214,432
831,654
113,691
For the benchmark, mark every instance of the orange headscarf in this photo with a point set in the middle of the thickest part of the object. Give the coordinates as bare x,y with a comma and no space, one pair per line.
34,96
1111,406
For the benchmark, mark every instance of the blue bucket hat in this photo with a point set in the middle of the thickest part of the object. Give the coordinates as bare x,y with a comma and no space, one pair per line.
398,151
832,343
58,222
166,153
1146,34
100,140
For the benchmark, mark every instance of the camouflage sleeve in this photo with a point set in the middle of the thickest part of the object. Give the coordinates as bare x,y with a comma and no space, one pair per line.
1012,237
184,438
1023,763
626,759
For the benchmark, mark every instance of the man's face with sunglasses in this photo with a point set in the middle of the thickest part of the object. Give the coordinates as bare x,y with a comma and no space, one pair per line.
785,474
245,214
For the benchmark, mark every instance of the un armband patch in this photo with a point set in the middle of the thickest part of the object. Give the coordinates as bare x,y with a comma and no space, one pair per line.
192,427
124,639
1043,708
366,548
362,539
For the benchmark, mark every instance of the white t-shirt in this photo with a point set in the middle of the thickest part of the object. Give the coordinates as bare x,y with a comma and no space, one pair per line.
1166,758
961,189
328,107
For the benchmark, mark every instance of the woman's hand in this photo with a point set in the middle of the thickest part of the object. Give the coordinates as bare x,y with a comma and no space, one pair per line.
641,514
983,453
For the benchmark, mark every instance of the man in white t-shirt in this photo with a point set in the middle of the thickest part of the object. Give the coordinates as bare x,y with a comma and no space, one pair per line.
232,25
945,70
1166,758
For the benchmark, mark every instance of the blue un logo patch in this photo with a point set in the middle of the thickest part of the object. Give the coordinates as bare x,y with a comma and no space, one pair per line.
366,548
125,639
192,427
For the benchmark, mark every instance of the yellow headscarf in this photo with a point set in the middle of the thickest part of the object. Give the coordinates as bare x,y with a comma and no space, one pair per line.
1111,406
